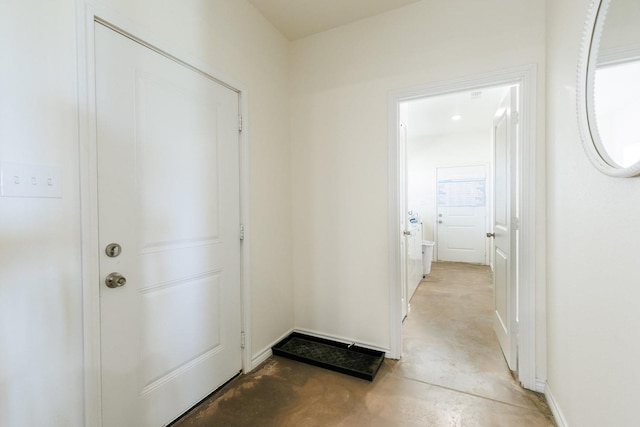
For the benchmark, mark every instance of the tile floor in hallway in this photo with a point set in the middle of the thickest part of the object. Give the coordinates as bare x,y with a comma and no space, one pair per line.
452,373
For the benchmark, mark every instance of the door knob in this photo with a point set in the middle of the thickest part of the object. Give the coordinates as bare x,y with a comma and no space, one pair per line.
440,222
407,233
491,235
115,280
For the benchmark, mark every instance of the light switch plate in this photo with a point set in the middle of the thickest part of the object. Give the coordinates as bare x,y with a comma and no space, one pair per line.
23,180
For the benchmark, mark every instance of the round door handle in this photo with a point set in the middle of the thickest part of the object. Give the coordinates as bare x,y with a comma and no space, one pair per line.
115,280
491,235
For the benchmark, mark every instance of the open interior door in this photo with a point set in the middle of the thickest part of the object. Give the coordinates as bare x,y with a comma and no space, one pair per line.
404,219
505,226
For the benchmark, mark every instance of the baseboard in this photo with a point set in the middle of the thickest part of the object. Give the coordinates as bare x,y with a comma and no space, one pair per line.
343,340
259,358
265,353
555,409
540,386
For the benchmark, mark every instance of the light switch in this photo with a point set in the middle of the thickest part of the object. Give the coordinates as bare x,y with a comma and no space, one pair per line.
22,180
12,184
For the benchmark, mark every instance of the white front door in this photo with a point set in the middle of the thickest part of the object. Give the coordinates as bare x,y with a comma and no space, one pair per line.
505,138
461,221
168,195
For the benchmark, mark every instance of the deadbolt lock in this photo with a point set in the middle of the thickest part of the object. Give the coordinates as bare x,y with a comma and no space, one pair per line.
113,250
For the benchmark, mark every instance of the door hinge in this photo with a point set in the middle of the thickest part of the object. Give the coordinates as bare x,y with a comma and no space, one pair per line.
515,117
239,123
242,339
241,232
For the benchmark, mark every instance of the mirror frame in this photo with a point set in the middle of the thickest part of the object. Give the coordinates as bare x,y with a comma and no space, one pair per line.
587,124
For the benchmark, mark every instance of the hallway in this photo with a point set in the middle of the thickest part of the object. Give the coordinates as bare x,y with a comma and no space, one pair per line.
452,373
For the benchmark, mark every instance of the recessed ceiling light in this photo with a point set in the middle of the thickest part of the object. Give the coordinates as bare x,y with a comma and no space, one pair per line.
456,117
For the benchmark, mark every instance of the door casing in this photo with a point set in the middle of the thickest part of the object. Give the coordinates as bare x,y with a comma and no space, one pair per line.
87,14
527,179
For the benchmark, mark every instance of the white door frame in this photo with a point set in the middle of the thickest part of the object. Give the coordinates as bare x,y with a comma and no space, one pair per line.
525,77
87,15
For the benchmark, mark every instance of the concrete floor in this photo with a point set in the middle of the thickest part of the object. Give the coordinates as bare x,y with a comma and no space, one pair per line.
452,373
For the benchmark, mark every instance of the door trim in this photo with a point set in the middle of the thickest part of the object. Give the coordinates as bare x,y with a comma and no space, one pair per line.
529,283
86,16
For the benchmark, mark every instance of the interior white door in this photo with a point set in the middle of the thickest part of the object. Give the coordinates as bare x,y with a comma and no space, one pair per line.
168,194
461,221
505,138
404,220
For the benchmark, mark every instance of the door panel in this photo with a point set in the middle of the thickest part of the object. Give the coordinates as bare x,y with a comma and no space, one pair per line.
165,164
505,138
501,273
168,193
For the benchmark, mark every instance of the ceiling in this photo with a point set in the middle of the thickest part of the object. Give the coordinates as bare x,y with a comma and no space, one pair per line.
433,115
296,19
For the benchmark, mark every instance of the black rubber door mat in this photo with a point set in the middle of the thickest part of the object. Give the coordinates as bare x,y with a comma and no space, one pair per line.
348,359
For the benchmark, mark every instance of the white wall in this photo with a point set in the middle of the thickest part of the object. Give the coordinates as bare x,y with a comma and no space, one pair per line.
427,153
592,254
40,294
340,83
41,349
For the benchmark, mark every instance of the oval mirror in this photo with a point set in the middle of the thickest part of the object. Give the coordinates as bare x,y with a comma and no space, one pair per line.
609,87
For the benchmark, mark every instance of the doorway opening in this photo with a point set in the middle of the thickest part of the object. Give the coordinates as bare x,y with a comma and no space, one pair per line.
449,190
